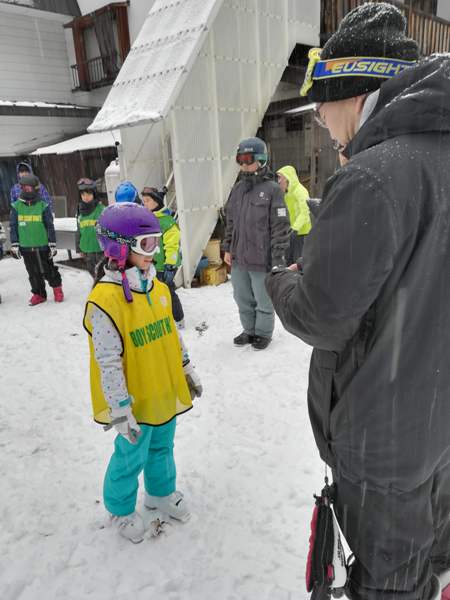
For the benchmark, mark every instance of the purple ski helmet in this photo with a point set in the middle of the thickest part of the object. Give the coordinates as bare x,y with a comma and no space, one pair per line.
118,229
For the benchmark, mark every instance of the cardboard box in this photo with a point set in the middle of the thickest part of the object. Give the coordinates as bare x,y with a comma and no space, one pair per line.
212,251
213,275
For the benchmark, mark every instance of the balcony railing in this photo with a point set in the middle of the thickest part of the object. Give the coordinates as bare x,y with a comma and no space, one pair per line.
430,32
95,72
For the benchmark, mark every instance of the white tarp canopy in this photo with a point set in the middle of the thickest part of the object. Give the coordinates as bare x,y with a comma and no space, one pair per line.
87,141
157,64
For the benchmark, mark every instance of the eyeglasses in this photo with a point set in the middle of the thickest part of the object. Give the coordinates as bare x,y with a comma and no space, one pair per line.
317,116
147,245
248,158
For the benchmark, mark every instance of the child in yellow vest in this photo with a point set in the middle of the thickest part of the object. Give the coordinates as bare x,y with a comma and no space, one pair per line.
141,377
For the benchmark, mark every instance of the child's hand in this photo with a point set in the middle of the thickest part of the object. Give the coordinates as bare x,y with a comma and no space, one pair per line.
193,381
123,421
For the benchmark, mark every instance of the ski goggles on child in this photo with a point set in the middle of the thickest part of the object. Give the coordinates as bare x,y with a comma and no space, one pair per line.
147,245
248,158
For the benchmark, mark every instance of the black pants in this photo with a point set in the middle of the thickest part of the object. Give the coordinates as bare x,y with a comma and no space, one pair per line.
92,259
40,267
399,538
177,309
295,248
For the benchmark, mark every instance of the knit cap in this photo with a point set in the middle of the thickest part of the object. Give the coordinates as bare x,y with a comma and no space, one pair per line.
374,29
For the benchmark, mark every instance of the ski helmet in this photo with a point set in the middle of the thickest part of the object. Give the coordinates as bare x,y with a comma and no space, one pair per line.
123,227
126,192
29,187
86,185
256,150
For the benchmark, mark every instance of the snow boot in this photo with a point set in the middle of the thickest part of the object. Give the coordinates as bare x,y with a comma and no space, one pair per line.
260,342
243,338
58,294
36,299
173,505
131,526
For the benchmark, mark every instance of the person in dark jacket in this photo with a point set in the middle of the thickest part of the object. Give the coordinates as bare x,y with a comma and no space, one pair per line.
24,169
33,239
89,210
374,303
256,237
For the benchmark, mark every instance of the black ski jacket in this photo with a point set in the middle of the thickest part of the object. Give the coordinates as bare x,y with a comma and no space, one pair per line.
257,223
374,299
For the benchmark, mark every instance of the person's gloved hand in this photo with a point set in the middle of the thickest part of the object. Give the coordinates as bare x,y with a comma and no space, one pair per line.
123,421
15,251
52,249
193,381
169,273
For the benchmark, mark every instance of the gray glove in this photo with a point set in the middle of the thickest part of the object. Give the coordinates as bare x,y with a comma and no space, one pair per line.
193,381
15,251
53,251
123,421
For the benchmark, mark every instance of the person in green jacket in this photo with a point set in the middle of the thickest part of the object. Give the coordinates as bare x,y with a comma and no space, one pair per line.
89,210
295,197
168,259
33,239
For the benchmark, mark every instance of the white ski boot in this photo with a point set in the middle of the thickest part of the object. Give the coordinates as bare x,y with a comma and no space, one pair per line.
129,526
173,505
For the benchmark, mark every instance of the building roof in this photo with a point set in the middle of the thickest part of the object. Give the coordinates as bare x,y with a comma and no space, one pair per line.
156,66
87,141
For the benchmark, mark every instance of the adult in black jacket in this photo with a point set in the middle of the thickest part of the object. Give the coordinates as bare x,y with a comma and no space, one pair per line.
374,302
256,237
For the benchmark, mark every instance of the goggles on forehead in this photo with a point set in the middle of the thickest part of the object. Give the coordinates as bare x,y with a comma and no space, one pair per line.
351,66
248,158
147,245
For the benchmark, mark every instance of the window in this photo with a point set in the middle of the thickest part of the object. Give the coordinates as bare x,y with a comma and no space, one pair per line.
102,42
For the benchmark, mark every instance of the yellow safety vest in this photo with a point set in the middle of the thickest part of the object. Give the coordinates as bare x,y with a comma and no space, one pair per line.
151,355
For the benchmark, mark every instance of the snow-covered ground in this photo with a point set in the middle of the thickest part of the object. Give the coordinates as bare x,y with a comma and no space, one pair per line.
245,455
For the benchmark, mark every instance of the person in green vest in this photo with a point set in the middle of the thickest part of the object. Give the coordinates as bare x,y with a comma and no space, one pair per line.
295,198
89,210
33,239
168,258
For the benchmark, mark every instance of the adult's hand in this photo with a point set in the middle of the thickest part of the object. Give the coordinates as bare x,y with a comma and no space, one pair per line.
227,258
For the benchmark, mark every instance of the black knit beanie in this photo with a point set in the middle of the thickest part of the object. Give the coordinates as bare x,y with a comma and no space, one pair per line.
371,29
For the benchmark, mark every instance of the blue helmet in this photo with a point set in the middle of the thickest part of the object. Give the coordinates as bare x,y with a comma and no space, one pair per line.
126,192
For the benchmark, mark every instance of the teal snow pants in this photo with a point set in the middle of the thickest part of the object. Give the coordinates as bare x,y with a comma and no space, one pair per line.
153,453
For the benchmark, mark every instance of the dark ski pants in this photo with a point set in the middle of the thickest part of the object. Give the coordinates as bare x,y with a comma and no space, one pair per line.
177,309
295,248
40,268
91,260
399,538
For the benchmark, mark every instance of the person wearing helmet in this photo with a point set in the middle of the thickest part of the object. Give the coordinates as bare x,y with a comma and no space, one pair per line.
256,237
141,376
373,301
24,168
33,239
89,210
168,258
127,192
